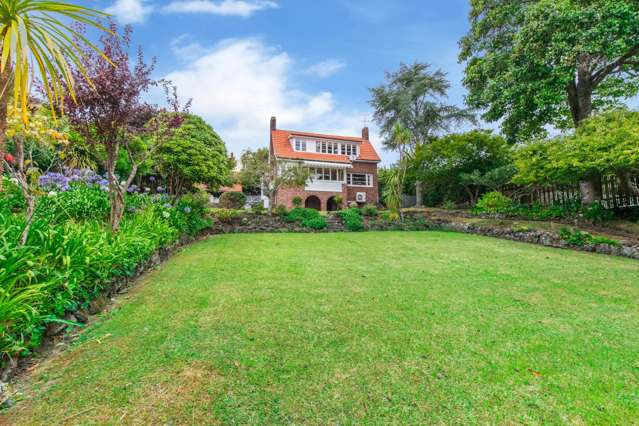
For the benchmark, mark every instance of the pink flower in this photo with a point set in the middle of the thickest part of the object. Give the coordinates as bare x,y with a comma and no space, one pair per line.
9,158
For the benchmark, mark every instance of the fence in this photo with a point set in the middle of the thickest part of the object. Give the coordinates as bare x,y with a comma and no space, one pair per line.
613,196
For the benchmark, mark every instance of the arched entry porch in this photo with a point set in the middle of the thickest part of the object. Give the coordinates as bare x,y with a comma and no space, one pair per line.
313,202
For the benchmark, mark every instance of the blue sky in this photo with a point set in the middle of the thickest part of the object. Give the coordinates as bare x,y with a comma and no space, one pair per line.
308,62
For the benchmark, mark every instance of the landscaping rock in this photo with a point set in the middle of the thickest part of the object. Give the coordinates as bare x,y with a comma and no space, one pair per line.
97,305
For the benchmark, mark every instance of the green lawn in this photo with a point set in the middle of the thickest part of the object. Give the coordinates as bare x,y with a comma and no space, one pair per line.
346,328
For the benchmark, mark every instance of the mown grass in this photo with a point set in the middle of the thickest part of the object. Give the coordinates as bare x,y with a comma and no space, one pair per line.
372,328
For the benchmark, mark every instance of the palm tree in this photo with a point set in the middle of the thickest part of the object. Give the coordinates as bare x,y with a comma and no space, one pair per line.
401,139
37,39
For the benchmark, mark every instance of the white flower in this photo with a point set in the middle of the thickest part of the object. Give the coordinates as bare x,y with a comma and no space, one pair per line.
52,194
166,214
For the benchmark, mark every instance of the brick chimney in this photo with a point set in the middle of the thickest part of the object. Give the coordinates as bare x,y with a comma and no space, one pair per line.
273,123
365,133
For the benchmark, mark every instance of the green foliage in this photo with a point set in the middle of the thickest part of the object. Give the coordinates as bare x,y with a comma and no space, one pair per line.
605,144
526,61
308,218
194,154
297,201
11,197
467,163
369,210
449,205
232,200
224,215
280,210
352,219
71,255
258,208
81,202
580,238
494,202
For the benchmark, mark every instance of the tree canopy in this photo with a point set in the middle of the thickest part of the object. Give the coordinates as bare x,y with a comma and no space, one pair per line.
550,62
193,154
605,144
472,161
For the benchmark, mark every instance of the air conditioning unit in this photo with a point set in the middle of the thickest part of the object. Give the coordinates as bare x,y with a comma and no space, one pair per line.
360,197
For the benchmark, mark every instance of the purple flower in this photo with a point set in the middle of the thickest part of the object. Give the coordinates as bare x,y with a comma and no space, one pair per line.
161,189
187,209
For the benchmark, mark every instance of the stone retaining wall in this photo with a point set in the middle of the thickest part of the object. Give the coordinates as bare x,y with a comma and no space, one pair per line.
419,221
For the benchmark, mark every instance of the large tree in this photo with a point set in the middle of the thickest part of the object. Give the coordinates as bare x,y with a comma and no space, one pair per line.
473,162
535,63
109,102
193,154
415,98
36,40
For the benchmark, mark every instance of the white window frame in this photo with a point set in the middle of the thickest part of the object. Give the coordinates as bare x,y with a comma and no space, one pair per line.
349,149
367,177
327,174
300,145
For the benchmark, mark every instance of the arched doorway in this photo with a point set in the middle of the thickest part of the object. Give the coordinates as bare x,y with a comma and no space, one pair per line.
313,202
331,204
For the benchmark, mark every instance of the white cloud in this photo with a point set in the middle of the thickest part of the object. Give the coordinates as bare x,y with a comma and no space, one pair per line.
325,68
243,8
240,83
185,48
129,11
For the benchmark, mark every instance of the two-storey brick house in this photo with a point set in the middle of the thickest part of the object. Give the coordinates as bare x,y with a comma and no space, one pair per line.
339,166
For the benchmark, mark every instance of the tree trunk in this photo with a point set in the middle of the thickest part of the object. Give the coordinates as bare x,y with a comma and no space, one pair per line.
419,195
627,184
580,102
4,100
590,190
29,199
116,197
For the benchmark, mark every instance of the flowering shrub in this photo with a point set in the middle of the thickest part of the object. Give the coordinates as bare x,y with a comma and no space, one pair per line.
63,181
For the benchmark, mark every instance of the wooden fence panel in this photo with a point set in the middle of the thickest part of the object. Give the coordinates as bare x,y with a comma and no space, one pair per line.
613,197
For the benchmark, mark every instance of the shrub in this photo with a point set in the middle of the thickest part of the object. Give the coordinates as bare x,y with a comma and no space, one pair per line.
232,200
581,238
297,201
494,202
317,223
11,197
188,214
352,219
258,208
280,210
597,213
339,201
308,218
449,205
224,215
79,202
370,210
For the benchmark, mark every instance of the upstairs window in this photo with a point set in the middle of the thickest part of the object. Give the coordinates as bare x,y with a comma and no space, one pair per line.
300,145
326,147
359,179
324,174
349,149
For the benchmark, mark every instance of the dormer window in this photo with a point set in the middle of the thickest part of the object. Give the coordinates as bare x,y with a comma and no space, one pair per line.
326,147
300,145
349,149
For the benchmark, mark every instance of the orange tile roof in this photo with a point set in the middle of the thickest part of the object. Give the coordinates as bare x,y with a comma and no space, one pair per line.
237,187
282,147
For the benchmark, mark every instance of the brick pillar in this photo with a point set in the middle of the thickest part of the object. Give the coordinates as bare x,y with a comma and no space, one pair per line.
365,135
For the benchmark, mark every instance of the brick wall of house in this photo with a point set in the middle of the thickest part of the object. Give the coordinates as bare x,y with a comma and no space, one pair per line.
349,193
285,196
372,194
